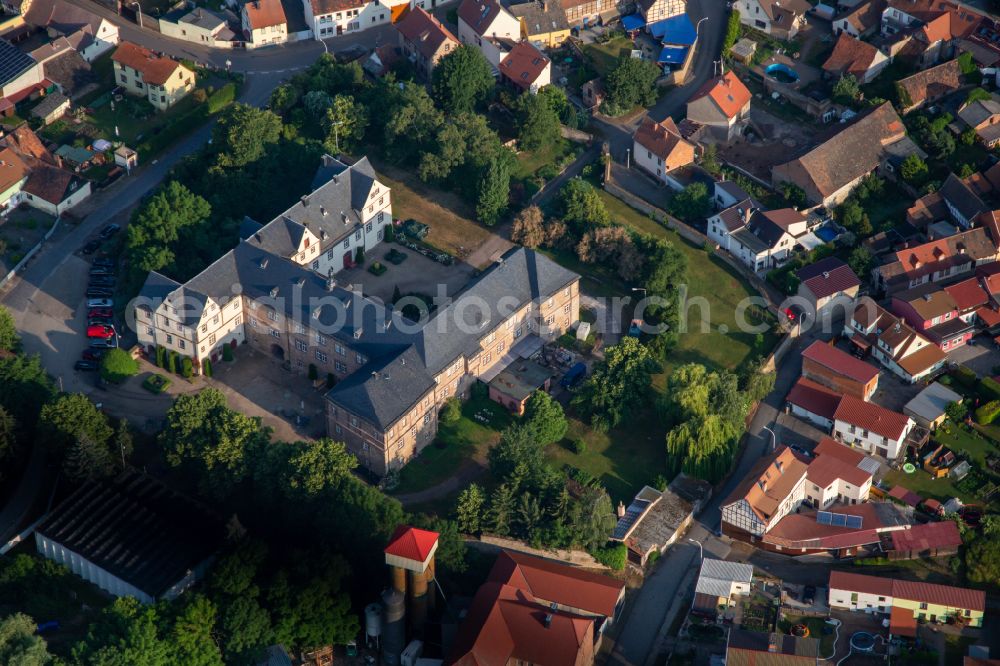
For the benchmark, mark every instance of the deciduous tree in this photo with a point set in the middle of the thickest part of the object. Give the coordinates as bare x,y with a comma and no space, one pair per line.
537,123
469,509
243,133
619,384
20,645
9,339
462,80
544,418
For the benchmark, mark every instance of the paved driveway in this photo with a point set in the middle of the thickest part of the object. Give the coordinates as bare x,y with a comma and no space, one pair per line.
982,356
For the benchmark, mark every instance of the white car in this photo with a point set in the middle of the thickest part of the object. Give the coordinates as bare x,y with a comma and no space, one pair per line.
100,303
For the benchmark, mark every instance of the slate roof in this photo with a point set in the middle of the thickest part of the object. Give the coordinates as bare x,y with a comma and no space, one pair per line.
854,151
135,528
204,19
979,111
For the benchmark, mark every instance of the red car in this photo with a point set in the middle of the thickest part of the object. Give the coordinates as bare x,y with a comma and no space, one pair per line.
100,313
100,331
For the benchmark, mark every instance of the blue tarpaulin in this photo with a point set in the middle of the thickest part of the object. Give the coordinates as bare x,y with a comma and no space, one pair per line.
677,30
672,55
633,22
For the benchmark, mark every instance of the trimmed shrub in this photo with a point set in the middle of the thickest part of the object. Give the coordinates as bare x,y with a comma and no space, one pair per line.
990,388
965,376
117,366
578,446
313,372
221,98
156,383
227,354
161,357
187,368
452,411
986,414
613,555
206,367
359,256
172,362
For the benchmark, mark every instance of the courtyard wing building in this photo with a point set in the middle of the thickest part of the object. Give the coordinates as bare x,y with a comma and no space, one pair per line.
277,292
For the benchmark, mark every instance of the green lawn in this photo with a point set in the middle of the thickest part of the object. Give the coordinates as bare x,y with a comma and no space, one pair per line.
530,163
132,128
604,56
469,438
623,460
712,279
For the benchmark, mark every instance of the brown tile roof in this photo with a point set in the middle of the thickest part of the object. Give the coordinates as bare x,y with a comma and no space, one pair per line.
865,15
968,294
727,92
933,82
479,14
943,534
942,595
12,169
425,32
782,8
827,277
927,210
154,69
814,398
846,156
321,7
540,17
932,256
871,417
929,300
850,56
524,64
264,13
836,461
842,580
802,530
840,362
23,141
661,139
507,619
51,184
767,486
919,361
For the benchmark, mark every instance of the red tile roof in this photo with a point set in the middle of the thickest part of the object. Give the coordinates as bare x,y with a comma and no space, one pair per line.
851,56
929,536
905,495
728,93
51,184
840,362
154,69
425,32
871,417
814,398
524,64
321,7
801,529
570,587
479,14
661,139
902,622
828,277
411,543
968,294
842,580
264,13
835,461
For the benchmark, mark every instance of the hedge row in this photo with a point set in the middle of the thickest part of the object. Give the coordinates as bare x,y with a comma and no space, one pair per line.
987,413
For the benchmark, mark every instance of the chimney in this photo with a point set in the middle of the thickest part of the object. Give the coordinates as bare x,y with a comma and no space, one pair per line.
305,200
548,620
343,216
274,292
263,264
330,281
621,509
322,211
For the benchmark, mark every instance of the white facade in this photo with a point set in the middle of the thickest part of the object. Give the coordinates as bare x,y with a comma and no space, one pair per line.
359,17
756,258
503,26
839,490
105,39
869,602
268,35
871,442
740,514
822,421
58,209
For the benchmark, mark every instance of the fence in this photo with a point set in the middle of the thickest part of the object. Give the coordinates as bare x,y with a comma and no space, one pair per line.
31,253
657,214
576,558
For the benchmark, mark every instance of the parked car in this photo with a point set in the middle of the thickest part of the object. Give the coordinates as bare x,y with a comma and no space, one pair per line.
102,281
103,261
100,303
809,595
101,321
109,231
100,312
102,270
100,331
91,247
104,343
93,354
86,366
99,292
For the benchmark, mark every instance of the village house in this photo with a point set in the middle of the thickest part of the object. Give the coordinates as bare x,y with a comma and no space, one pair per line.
829,172
198,25
929,30
969,296
489,27
327,18
871,427
91,35
813,402
892,342
827,285
160,79
54,190
781,20
659,148
860,20
761,239
526,68
720,105
264,23
424,40
838,474
727,193
536,611
839,371
983,116
942,259
583,13
859,59
929,407
933,312
750,648
929,85
13,176
543,22
720,584
922,601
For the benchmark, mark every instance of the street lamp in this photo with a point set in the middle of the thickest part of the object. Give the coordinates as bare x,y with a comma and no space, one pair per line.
336,139
628,154
697,27
774,443
642,289
138,12
701,549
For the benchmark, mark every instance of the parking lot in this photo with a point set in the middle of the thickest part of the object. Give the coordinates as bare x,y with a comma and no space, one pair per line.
982,356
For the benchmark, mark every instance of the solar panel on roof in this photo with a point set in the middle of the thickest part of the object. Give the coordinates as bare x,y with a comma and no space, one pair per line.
838,520
824,517
13,62
854,522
